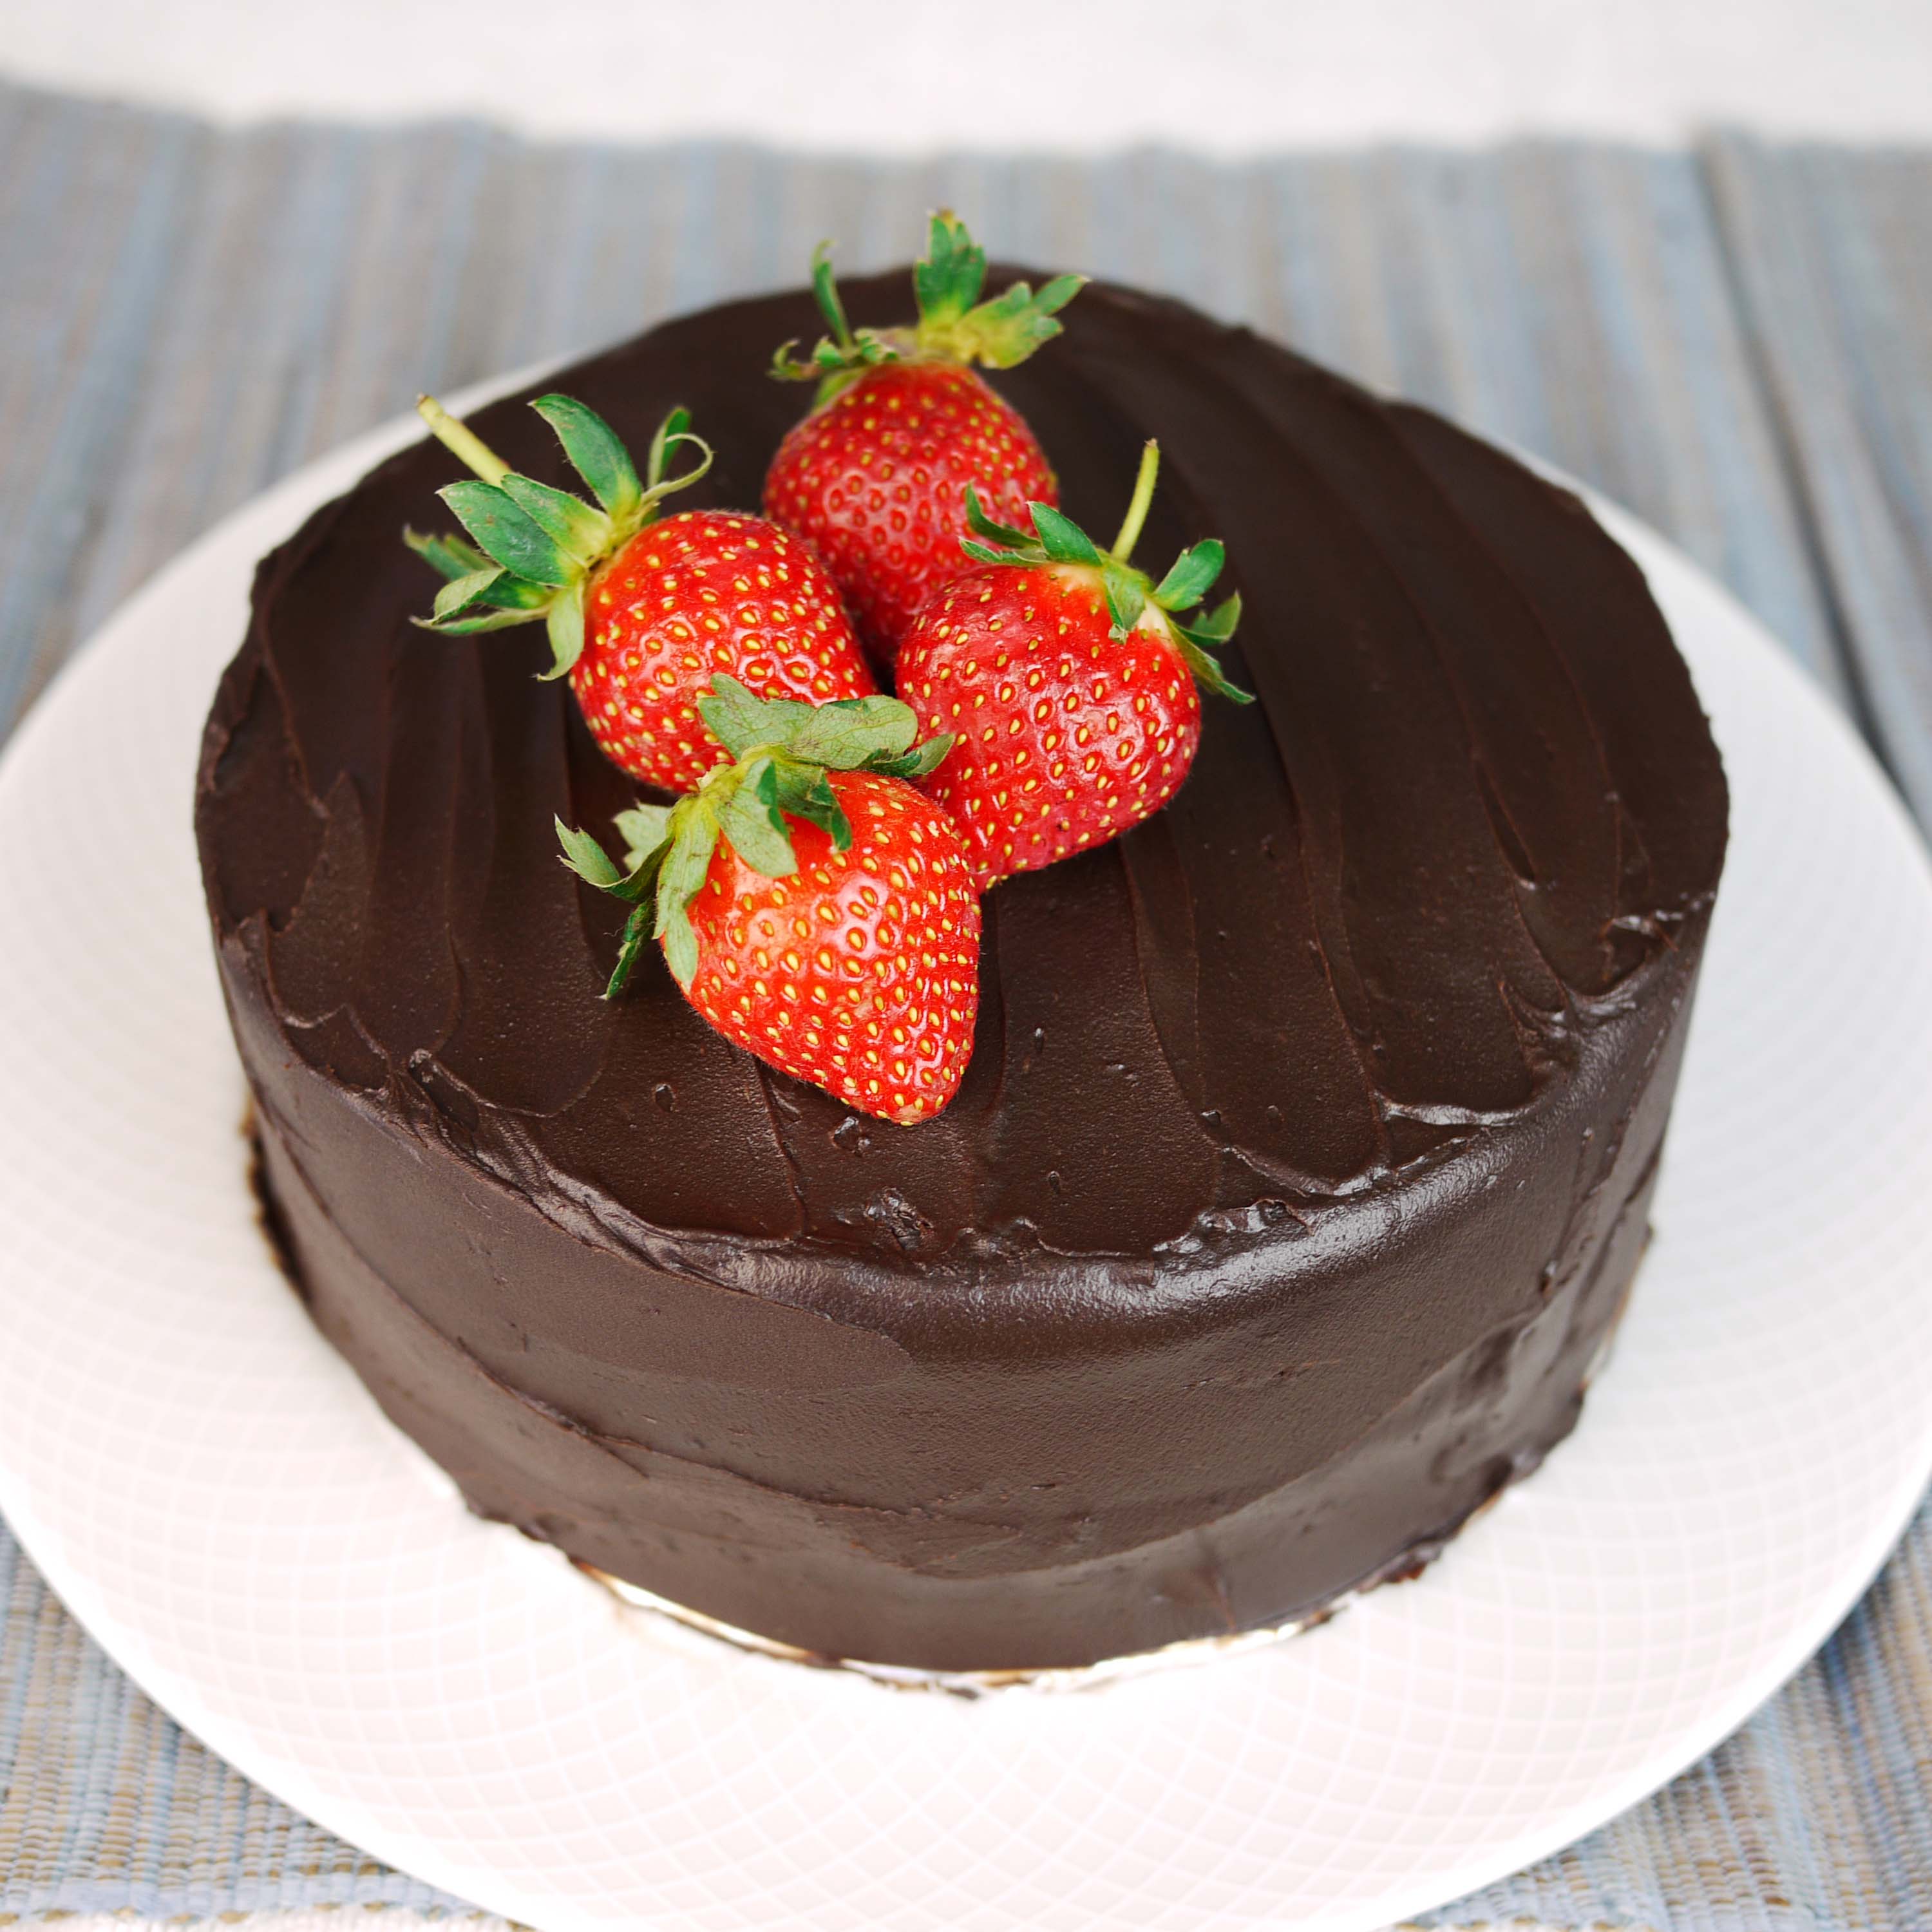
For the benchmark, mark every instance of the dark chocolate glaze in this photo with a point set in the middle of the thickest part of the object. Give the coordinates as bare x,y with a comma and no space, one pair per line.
1303,1161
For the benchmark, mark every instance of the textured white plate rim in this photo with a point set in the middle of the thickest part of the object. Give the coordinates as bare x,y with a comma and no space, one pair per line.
229,549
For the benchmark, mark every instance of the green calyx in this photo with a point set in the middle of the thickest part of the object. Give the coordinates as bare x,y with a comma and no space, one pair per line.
954,324
1130,592
782,752
535,546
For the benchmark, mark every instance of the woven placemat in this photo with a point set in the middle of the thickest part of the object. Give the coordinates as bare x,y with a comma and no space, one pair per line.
1736,342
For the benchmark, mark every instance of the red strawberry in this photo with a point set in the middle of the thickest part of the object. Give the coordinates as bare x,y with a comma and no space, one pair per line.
816,907
1070,682
642,613
875,475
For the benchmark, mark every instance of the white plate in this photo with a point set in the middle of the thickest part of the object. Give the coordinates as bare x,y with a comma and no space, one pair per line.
209,1489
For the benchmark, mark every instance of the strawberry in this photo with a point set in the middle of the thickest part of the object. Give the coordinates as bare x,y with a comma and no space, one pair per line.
1070,679
642,613
816,907
874,475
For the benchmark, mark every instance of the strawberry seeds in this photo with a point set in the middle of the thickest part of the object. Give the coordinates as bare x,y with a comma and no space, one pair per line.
814,887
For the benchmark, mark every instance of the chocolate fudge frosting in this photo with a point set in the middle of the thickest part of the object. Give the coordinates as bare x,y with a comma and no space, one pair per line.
1302,1163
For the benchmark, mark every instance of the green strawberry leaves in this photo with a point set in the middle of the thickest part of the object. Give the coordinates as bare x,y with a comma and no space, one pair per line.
579,533
505,532
1199,641
535,546
1001,536
450,555
597,453
563,621
646,830
1191,576
803,792
687,859
748,816
954,324
477,594
1061,537
592,863
783,751
838,360
669,849
1205,635
739,720
947,280
1126,591
463,591
1057,539
671,434
852,734
922,761
1003,332
1218,626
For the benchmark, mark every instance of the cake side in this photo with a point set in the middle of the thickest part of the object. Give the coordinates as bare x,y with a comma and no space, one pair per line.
988,1514
1303,1158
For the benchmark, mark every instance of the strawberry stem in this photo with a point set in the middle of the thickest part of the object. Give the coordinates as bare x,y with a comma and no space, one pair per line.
825,290
461,441
1137,506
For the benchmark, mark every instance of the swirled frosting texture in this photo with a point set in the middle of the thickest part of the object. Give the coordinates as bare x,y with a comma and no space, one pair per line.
1303,1159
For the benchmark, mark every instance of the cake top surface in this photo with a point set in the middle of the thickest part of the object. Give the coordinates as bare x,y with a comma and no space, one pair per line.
1477,798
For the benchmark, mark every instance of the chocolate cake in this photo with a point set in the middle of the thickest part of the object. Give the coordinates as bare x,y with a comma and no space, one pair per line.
1303,1161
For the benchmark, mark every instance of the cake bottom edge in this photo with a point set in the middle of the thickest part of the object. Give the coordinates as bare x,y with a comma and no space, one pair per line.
1187,1653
